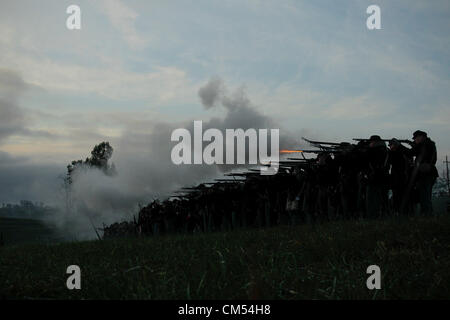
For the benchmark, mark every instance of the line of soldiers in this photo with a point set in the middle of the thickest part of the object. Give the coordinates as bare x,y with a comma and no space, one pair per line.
366,179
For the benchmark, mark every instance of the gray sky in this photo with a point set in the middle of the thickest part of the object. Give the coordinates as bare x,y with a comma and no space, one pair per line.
311,66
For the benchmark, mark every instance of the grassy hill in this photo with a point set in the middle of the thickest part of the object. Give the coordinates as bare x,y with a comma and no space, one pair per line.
16,231
326,261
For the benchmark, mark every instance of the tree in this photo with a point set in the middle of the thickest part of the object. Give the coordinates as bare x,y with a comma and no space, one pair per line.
100,156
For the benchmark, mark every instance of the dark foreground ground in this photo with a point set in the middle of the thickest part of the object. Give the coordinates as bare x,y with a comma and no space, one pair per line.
19,231
327,261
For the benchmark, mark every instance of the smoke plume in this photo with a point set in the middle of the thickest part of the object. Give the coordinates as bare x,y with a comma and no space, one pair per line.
142,157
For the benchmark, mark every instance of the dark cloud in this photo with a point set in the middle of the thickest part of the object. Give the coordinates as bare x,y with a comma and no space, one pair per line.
211,92
20,179
7,159
12,117
240,112
11,83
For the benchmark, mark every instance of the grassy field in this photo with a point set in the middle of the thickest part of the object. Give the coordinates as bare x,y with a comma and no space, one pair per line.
327,261
15,231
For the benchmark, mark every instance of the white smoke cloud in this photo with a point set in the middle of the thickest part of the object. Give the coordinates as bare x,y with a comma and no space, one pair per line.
142,156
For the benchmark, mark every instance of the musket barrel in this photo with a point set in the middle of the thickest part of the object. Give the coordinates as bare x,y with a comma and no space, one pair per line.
385,140
321,142
300,159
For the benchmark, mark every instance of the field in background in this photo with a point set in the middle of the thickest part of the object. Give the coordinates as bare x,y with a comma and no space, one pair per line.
16,231
327,261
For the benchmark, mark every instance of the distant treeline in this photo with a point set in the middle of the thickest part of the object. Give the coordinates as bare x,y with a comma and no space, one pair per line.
26,210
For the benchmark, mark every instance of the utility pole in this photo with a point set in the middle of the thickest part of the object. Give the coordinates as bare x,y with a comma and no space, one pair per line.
448,180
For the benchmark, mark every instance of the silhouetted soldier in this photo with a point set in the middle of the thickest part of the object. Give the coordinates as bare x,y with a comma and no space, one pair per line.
359,167
425,172
376,196
326,178
348,163
309,195
400,163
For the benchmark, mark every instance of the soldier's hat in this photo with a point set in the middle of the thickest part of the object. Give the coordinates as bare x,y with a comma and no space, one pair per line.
375,138
419,133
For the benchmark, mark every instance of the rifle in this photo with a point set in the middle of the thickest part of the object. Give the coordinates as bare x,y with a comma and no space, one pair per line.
322,142
179,196
242,174
328,150
294,163
386,140
227,180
